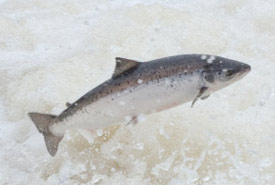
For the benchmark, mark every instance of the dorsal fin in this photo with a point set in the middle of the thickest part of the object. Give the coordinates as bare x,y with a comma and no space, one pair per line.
124,65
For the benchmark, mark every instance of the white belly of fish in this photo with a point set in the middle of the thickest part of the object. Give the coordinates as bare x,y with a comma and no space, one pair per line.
143,99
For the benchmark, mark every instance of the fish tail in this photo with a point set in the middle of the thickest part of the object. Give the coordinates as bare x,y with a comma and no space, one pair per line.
42,123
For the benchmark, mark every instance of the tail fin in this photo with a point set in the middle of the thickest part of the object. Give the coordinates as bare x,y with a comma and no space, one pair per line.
42,123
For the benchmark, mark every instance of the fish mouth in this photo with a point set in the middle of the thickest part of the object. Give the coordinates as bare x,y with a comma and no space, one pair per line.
243,70
246,68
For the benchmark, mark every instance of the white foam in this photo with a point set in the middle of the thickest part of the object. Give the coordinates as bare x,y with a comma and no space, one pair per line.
99,132
53,52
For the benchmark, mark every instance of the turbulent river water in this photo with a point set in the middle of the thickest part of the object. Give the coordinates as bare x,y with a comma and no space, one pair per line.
52,52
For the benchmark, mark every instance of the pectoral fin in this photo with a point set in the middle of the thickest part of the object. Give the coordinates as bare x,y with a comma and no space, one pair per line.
205,97
202,91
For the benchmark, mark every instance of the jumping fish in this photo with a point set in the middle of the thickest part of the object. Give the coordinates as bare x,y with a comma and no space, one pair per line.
137,88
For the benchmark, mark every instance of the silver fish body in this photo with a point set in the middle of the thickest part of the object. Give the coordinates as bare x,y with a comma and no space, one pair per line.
138,88
125,105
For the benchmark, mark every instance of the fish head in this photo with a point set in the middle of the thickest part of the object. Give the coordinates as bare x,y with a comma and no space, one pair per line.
220,72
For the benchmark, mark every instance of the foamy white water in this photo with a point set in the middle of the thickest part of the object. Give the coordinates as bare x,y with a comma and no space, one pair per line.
52,52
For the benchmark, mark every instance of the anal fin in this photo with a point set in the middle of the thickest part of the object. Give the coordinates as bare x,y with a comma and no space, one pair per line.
68,104
134,121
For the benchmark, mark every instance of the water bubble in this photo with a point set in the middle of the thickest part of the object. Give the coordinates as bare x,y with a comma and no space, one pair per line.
206,178
141,118
266,162
140,146
140,81
122,103
99,132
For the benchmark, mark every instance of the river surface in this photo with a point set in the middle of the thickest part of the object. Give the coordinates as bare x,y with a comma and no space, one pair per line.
52,52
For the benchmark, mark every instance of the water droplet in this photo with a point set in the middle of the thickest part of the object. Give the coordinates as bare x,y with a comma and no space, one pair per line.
141,118
122,103
140,81
211,59
206,178
203,57
99,132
